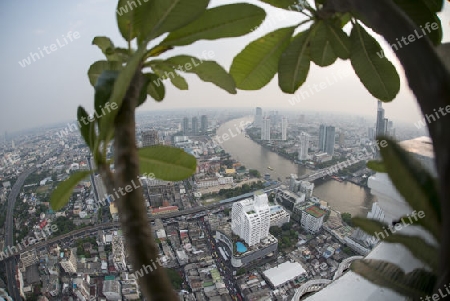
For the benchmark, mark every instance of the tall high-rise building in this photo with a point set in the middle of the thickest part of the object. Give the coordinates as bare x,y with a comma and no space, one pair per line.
250,218
284,125
341,139
258,118
194,125
371,133
303,148
265,129
204,124
322,137
185,126
150,138
380,126
330,140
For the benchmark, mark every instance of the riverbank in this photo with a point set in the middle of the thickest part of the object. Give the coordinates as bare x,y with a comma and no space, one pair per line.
341,196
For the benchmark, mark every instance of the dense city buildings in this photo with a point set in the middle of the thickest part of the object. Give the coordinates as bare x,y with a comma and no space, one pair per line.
231,229
150,138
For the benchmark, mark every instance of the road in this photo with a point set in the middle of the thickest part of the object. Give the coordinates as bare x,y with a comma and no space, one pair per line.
11,264
225,268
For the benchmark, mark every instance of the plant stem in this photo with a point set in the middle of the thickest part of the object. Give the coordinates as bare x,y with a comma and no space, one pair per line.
139,240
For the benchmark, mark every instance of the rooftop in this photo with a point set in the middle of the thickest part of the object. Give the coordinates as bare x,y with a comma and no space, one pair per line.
315,211
284,272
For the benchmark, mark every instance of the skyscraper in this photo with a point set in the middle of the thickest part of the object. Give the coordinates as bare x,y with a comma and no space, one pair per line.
303,148
250,218
185,125
371,133
284,125
265,129
150,138
322,137
258,118
204,124
341,139
380,127
330,139
195,126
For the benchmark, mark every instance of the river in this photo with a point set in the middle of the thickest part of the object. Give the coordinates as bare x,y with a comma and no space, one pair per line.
341,196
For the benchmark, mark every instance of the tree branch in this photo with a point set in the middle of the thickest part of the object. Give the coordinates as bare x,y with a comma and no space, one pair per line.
132,211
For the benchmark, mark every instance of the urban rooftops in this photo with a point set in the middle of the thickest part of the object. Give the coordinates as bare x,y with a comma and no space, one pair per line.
315,211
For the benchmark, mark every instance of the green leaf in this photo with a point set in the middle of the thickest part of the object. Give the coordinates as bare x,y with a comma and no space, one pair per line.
343,18
155,17
84,122
103,89
231,20
97,68
339,40
143,94
420,13
414,183
62,193
165,70
257,63
107,47
415,244
376,73
415,284
377,166
155,88
207,71
321,51
123,54
294,63
120,88
124,16
167,163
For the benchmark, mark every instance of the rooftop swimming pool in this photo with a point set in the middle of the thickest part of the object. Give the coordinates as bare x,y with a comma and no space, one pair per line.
240,247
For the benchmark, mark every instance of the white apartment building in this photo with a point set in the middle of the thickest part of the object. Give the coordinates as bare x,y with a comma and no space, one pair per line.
265,129
225,180
69,261
278,216
284,125
303,148
250,218
27,259
312,219
207,183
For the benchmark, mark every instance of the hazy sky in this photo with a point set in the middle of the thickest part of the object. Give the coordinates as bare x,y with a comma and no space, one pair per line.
50,88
